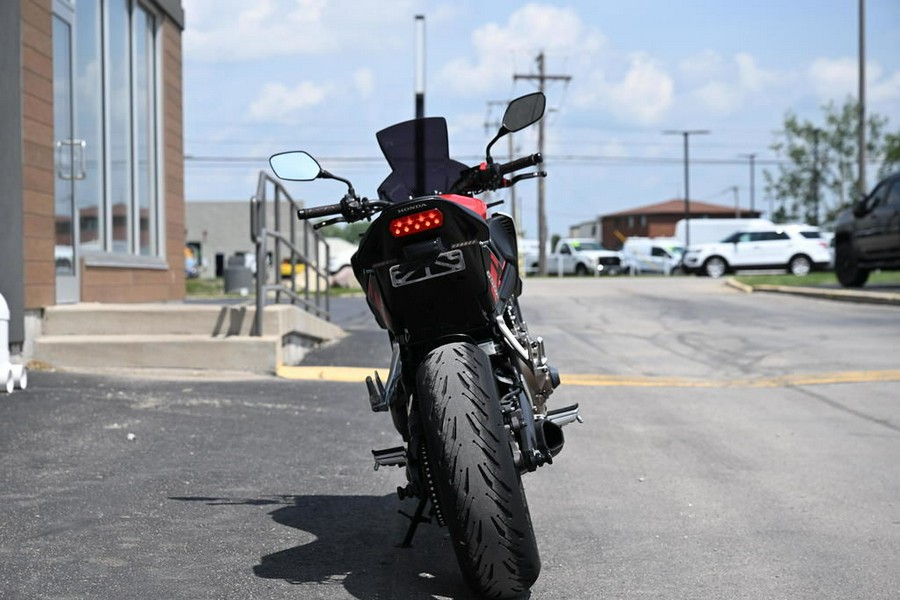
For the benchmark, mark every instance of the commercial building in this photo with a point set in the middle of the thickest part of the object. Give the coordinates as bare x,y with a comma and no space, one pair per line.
652,220
91,154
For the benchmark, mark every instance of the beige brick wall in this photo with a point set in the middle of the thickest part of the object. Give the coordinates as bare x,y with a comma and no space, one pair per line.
37,145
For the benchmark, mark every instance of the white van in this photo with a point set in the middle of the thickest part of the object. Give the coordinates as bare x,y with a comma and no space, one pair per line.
652,255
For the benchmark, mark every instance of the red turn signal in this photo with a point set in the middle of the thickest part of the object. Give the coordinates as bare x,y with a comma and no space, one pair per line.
417,223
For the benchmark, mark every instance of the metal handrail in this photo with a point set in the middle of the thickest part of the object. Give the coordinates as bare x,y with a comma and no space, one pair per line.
285,237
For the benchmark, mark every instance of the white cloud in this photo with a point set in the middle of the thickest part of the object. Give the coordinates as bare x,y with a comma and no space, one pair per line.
364,80
724,86
531,29
834,78
234,30
277,102
643,95
886,90
752,78
837,78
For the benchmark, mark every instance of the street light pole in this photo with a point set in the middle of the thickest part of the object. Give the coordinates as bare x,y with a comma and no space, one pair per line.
686,133
420,105
862,99
752,158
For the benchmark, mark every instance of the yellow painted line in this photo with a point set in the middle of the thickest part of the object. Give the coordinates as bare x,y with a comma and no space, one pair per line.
770,382
340,374
358,374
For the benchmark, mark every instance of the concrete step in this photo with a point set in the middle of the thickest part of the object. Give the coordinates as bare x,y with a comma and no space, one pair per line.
102,319
194,336
160,351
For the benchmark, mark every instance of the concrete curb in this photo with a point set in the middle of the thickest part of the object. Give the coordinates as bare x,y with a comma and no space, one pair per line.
841,295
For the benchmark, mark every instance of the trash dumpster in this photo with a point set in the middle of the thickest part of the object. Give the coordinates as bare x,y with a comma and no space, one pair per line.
237,276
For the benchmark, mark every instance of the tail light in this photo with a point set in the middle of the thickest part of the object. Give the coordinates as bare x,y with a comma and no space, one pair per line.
417,223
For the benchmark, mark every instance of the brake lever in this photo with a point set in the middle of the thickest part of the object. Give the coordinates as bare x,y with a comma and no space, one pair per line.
334,221
519,178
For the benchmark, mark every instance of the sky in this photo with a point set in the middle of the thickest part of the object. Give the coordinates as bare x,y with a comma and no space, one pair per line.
325,75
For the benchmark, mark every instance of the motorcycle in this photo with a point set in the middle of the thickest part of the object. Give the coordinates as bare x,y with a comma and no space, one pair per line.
468,384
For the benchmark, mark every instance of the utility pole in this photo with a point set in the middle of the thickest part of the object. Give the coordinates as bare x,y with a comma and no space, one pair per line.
687,133
862,99
815,178
542,77
752,158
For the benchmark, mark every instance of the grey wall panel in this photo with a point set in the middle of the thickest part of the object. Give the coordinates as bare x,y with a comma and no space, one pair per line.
12,260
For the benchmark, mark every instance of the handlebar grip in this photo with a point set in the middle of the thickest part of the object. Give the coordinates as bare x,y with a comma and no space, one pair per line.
521,163
319,211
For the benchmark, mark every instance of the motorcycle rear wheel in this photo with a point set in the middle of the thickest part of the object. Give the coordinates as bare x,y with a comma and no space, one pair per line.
478,485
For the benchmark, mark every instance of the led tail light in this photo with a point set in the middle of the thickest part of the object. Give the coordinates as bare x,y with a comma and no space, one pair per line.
417,222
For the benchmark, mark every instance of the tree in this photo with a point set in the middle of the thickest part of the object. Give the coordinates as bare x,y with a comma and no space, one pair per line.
348,231
819,174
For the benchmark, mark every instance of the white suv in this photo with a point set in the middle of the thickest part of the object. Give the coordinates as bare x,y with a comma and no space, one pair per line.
796,248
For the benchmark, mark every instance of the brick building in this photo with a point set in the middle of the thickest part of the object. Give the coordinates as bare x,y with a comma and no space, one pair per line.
652,220
91,154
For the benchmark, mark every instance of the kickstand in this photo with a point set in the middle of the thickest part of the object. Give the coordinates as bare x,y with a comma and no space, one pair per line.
415,519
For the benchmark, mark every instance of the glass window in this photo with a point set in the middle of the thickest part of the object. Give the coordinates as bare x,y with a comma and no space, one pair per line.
88,85
119,115
894,197
116,119
143,110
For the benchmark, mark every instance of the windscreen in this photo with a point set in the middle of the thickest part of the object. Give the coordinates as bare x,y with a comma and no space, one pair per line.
401,143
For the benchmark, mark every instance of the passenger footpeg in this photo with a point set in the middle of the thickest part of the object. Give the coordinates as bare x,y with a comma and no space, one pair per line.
565,415
390,457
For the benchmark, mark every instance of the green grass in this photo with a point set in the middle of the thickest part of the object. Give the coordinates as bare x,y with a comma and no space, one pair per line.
215,288
206,288
816,279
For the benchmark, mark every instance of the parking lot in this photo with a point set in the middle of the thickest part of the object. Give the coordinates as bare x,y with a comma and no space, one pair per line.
735,446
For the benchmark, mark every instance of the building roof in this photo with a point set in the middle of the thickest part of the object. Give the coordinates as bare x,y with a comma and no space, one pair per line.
676,207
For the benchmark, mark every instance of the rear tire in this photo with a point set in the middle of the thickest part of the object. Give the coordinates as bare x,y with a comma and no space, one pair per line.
478,484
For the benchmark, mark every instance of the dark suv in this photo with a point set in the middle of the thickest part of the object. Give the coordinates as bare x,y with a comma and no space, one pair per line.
867,236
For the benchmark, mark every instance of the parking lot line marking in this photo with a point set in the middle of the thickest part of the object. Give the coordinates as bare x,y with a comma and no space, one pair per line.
358,375
339,374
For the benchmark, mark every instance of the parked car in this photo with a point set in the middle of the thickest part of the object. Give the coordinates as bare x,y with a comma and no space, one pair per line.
652,255
798,249
867,236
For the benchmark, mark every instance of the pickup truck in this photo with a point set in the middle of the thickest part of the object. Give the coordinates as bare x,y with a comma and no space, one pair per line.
867,236
576,256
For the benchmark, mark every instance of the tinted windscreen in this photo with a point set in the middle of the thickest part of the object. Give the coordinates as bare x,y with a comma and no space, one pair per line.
401,143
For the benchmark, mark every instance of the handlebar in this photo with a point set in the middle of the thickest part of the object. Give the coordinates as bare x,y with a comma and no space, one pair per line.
319,211
520,163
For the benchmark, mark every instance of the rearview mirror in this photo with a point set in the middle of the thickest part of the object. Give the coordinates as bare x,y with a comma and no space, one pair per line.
524,111
295,166
520,113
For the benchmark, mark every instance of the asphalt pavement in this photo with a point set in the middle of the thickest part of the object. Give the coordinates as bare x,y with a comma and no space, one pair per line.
229,485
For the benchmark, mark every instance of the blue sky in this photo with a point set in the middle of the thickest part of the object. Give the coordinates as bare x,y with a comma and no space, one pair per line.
325,75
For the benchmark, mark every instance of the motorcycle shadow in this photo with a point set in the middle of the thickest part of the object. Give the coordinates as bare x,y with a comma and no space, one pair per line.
356,546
